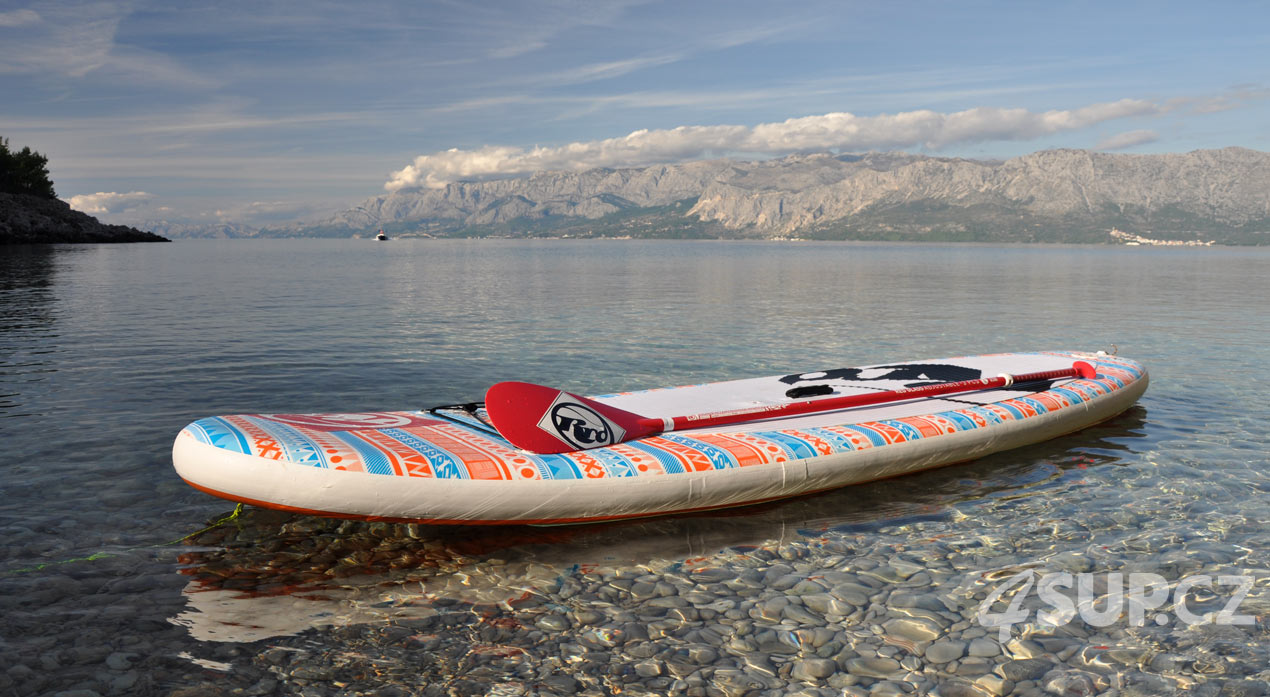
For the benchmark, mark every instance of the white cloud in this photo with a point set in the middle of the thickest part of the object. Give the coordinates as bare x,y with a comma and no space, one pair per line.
104,202
77,40
1128,139
810,133
1234,98
18,18
542,23
265,212
610,69
63,40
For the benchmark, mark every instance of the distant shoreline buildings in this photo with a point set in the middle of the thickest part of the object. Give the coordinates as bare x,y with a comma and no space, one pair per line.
1132,240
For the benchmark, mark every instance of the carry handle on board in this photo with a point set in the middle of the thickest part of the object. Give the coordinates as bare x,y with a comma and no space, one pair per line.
546,420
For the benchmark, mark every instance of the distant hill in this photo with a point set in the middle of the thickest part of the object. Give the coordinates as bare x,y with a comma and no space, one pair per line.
37,219
1048,196
220,230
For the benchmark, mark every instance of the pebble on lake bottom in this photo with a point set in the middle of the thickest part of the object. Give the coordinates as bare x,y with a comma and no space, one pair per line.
794,617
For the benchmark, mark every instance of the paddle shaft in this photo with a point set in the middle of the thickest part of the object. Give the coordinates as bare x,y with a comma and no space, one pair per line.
546,420
772,411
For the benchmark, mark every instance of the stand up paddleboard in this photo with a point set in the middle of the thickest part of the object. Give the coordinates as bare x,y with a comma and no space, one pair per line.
540,455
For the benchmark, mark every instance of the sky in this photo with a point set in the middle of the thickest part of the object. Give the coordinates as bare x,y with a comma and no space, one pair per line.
262,112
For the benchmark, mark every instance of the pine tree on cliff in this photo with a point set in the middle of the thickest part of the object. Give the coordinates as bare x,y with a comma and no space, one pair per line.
24,172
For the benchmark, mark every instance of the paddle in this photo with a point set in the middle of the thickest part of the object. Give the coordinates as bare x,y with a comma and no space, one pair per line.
546,420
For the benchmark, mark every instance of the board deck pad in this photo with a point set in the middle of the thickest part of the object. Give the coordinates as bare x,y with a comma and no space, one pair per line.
384,461
723,396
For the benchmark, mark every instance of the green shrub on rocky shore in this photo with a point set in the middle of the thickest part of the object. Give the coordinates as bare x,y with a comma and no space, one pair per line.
30,211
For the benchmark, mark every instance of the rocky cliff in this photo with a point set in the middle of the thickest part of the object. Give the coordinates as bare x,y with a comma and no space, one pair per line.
33,219
591,194
1055,195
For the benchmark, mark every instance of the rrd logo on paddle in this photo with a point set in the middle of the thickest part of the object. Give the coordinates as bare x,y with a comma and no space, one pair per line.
579,425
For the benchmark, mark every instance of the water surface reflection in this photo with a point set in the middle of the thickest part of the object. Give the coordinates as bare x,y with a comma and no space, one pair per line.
27,319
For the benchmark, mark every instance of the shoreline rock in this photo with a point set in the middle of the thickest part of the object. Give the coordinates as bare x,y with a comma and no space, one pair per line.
33,220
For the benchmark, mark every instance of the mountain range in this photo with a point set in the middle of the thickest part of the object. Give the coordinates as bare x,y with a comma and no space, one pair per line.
1047,196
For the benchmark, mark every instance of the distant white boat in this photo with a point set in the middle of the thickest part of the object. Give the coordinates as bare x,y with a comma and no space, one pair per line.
381,236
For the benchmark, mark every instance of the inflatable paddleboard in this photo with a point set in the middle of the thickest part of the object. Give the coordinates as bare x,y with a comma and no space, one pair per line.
450,465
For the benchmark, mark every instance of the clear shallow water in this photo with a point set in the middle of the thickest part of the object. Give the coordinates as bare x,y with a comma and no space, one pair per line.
106,352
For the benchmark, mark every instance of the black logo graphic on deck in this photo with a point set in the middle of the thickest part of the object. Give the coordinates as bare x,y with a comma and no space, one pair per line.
918,374
579,425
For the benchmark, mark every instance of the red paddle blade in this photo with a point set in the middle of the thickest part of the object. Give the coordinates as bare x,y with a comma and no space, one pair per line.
547,421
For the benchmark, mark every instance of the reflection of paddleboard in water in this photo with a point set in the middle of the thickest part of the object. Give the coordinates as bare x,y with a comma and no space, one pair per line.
241,593
219,614
449,465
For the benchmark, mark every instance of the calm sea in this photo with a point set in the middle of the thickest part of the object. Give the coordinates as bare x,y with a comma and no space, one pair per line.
106,352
